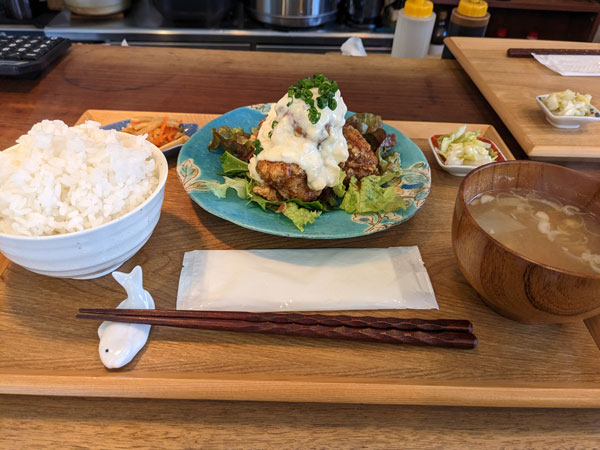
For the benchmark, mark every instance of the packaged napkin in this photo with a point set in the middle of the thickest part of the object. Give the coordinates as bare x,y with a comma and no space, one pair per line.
572,65
305,280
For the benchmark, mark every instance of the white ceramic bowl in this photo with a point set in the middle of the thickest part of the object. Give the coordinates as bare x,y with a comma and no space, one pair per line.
566,121
94,252
456,170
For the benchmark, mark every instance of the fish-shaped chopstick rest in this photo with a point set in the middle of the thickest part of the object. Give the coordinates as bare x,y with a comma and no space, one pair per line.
120,342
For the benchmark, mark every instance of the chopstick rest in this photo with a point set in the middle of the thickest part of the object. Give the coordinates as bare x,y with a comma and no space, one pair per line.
120,342
449,333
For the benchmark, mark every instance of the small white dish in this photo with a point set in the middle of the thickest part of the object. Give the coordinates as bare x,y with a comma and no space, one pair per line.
566,121
460,171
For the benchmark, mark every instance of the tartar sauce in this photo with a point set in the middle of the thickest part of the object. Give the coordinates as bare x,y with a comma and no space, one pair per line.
287,135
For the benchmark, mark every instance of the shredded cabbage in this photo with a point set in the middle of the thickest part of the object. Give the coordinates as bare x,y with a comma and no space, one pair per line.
463,148
568,103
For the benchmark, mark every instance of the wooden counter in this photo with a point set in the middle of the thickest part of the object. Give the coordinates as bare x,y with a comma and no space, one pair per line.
100,77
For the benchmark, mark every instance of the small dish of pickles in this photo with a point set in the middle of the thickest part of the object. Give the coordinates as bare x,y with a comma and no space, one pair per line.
568,109
461,151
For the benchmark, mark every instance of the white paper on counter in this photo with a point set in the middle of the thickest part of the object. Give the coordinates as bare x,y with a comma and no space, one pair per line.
305,280
572,65
353,47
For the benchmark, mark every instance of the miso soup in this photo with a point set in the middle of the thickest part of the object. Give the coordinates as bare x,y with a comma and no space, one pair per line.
541,228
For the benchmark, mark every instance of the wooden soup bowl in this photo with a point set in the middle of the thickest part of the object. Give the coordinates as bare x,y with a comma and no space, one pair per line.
512,284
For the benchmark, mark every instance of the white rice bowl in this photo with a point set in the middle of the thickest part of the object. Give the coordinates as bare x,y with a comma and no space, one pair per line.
61,179
78,201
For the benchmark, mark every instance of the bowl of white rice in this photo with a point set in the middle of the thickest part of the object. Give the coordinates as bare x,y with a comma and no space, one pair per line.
77,202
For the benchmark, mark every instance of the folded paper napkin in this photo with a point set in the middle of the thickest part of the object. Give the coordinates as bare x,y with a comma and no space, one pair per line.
353,47
305,280
572,65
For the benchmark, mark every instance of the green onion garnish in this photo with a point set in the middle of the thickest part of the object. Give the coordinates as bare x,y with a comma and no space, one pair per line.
326,90
257,146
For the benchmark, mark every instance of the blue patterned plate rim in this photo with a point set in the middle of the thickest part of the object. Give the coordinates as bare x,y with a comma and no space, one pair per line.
197,167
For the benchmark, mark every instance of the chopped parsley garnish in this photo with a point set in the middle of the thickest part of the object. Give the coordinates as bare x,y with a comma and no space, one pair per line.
326,90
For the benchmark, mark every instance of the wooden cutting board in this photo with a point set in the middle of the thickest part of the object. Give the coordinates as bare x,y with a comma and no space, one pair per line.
510,85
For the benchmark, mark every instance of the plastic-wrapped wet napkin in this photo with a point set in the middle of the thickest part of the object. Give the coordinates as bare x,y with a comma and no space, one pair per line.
305,280
572,65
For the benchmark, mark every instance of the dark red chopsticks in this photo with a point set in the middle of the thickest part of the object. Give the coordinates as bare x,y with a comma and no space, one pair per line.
527,52
449,333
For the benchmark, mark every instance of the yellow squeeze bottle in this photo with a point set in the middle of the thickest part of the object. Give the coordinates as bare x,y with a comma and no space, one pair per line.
413,29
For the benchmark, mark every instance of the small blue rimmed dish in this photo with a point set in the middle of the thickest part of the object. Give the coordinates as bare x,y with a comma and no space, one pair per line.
188,129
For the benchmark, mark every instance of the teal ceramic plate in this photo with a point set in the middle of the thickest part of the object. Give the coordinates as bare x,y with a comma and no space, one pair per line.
197,167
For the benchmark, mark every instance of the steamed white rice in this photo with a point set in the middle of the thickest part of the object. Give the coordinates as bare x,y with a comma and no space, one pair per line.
61,179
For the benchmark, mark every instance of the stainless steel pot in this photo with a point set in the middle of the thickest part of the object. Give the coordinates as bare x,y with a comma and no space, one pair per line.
203,12
364,11
293,13
97,7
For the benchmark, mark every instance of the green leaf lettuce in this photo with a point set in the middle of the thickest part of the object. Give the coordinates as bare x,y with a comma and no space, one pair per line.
233,140
240,185
299,216
232,166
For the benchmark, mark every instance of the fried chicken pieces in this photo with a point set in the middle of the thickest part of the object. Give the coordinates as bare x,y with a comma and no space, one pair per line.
362,161
283,181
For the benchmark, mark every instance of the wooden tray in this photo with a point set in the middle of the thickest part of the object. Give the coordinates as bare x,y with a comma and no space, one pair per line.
511,85
46,351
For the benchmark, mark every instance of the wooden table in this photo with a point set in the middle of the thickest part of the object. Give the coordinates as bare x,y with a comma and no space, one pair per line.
99,77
